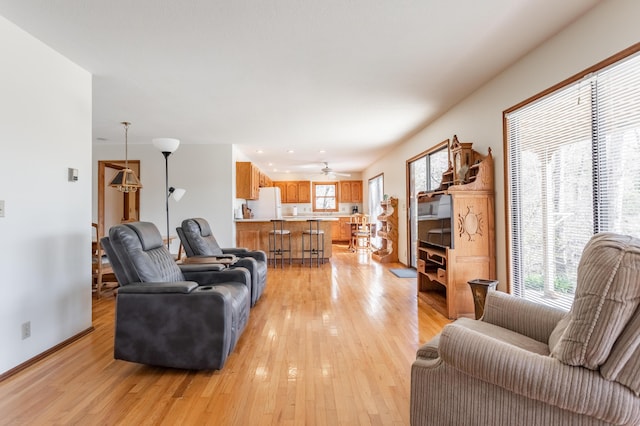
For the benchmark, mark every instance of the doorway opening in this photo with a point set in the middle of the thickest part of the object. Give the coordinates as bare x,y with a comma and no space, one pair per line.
116,207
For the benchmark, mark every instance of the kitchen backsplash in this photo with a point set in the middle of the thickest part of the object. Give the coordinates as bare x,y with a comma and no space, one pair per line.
305,209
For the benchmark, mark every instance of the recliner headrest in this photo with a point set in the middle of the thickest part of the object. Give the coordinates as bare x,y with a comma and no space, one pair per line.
148,234
205,229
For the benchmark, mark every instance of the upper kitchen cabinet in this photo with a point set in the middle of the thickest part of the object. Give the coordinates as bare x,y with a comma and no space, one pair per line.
350,191
304,191
249,180
294,191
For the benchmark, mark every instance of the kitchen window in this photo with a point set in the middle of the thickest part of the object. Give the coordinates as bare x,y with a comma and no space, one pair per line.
325,196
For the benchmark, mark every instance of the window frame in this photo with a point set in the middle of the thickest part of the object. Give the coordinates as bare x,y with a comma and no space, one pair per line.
506,144
315,196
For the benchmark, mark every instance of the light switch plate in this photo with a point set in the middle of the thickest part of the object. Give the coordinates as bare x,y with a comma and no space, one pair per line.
1,208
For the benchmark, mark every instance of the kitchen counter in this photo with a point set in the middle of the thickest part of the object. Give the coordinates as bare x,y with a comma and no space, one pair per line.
294,219
254,233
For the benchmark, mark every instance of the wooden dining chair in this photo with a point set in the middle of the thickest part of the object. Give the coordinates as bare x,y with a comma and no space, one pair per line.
101,272
361,235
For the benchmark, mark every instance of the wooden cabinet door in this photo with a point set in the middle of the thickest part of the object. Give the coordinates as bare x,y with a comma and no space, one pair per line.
246,187
356,191
255,182
283,190
292,192
335,231
345,229
345,191
304,191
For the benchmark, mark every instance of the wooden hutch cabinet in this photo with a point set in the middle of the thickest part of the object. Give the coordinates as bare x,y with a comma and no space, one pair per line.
456,233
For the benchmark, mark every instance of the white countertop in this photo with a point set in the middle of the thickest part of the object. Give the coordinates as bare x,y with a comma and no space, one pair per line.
295,219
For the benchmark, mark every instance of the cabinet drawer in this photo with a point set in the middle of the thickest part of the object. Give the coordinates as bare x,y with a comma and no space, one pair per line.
442,275
422,266
436,257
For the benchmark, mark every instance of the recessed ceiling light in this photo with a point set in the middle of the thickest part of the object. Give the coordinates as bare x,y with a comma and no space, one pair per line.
322,151
290,151
260,151
275,170
270,164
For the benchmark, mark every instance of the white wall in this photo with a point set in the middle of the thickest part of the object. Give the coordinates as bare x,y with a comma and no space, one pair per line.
606,30
45,236
207,172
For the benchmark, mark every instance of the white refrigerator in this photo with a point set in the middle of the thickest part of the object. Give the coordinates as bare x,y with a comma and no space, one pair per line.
268,205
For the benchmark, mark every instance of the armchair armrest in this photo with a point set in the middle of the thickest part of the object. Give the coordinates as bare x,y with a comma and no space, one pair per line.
258,255
223,260
159,287
535,376
204,277
201,267
234,250
520,315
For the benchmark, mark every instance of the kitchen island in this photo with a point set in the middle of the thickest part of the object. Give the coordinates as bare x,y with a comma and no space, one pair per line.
254,233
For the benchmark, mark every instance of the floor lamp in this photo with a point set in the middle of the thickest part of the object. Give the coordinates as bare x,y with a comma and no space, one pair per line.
167,146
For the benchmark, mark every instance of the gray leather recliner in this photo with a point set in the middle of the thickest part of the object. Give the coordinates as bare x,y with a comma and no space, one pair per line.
170,315
198,241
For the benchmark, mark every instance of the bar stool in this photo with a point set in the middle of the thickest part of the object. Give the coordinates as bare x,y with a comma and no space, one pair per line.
276,242
318,250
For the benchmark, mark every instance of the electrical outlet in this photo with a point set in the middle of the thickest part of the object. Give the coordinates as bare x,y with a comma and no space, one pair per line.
26,330
1,208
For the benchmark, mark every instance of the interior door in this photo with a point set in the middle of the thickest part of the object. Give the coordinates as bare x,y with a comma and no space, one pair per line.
116,207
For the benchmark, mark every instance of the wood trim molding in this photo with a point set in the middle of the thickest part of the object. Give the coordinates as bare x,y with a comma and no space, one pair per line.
41,356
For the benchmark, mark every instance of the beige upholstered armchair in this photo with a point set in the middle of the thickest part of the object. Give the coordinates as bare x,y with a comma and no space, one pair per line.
527,364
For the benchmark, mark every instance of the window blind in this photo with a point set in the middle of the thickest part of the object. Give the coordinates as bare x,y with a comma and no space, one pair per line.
573,170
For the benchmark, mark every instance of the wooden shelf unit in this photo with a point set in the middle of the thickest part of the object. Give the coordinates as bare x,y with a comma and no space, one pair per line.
444,270
388,232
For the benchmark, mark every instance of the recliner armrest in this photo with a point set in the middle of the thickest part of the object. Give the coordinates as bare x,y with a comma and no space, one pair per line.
204,277
523,316
201,267
159,287
258,255
535,376
228,259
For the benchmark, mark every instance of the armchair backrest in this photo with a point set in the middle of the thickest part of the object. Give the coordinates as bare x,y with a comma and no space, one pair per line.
137,254
197,238
602,329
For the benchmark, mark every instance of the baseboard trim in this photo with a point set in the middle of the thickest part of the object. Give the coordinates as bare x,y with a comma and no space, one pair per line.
44,354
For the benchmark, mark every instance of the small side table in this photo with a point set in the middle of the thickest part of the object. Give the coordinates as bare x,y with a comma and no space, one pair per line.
479,289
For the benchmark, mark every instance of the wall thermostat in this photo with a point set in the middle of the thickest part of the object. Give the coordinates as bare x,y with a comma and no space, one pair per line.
73,175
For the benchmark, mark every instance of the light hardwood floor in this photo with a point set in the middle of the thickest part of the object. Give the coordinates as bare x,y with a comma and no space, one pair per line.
324,346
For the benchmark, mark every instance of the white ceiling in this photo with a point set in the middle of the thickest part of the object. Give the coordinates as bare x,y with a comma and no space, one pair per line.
350,77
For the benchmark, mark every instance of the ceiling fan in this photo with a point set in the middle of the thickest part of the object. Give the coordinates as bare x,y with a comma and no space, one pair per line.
326,170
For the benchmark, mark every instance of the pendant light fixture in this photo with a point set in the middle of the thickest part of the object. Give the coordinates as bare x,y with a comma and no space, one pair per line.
126,180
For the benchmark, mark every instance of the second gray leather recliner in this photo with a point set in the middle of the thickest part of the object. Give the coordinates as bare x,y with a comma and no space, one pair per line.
170,315
198,241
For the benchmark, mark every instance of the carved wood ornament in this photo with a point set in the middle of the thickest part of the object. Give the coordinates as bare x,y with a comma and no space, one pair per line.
470,223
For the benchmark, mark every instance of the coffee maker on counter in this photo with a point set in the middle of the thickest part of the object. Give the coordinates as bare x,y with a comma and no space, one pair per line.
354,210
